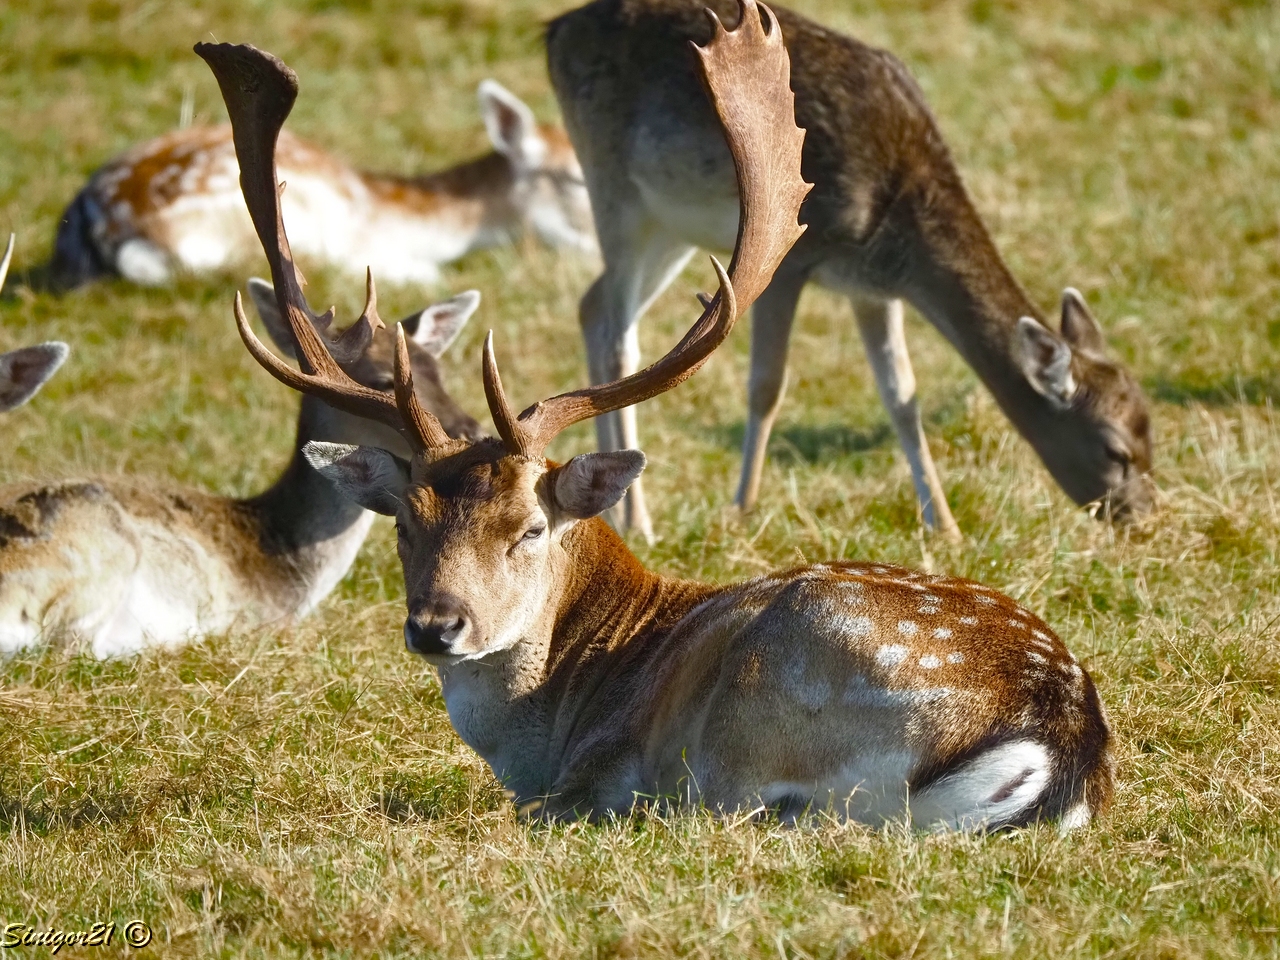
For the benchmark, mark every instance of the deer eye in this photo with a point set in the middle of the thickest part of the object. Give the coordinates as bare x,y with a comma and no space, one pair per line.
402,531
533,533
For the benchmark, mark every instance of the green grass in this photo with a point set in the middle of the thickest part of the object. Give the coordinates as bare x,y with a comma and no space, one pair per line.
301,792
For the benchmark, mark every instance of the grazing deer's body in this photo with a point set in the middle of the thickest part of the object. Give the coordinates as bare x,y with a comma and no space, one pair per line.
889,220
590,684
25,370
119,564
174,203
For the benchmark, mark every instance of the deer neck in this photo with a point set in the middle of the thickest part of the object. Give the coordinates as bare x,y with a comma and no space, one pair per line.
521,709
963,287
303,524
471,202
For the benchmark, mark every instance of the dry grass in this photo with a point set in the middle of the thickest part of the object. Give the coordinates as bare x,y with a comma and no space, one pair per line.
301,792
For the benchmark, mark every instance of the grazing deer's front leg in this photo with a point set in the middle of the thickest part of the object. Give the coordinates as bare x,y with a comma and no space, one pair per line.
880,323
641,260
771,319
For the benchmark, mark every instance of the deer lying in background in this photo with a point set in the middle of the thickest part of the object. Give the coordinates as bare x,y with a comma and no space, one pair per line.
173,204
119,564
889,220
588,683
25,370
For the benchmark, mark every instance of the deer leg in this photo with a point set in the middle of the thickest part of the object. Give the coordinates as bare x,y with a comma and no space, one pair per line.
880,323
771,319
609,312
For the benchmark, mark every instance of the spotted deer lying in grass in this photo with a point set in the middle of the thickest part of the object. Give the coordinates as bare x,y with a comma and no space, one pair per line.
589,683
122,563
25,370
890,220
173,204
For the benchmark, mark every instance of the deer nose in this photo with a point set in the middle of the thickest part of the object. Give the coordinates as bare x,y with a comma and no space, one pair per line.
438,629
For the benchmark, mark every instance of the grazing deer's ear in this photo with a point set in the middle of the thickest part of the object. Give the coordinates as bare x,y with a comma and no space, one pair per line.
439,325
590,484
1079,328
511,126
1046,362
370,476
263,295
24,371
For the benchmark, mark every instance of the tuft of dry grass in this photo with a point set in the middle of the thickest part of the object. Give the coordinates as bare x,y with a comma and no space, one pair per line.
300,792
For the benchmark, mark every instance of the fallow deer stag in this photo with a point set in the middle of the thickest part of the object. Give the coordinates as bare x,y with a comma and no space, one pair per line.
173,204
122,563
25,370
588,683
889,220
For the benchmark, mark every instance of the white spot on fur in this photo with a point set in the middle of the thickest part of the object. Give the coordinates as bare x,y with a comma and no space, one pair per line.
955,658
969,621
891,654
930,662
1041,635
856,626
941,633
986,601
1035,657
908,628
1017,624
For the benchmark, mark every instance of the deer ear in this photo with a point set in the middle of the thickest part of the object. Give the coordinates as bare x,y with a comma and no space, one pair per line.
369,476
590,484
24,371
1046,362
511,126
439,325
263,295
1079,328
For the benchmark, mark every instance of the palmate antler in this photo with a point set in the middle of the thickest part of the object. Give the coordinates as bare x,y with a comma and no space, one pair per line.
747,73
259,91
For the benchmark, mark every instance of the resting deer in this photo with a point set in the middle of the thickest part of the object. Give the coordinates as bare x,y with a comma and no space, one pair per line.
173,204
122,563
889,220
25,370
589,683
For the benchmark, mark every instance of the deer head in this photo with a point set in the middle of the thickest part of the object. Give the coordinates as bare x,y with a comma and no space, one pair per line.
488,531
1102,450
548,188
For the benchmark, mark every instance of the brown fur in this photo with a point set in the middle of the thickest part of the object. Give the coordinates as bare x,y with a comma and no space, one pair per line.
888,218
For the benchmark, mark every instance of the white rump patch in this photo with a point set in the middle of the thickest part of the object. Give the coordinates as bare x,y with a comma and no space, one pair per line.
1075,818
143,263
988,791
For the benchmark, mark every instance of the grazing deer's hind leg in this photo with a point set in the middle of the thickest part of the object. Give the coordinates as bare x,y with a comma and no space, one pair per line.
880,323
639,264
771,318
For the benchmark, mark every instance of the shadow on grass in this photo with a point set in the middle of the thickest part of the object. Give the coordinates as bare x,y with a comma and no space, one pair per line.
43,818
807,443
1227,391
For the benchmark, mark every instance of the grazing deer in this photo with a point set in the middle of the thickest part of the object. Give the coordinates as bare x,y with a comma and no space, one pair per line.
119,564
173,204
589,683
889,220
25,370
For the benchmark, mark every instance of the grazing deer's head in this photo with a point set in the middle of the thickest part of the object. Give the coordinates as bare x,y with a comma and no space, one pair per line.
486,530
25,370
549,189
1108,460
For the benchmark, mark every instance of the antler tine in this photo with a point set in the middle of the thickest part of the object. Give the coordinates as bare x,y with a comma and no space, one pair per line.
422,422
748,75
259,91
4,264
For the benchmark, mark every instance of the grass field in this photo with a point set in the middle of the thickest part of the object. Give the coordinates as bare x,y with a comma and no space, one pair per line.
300,792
